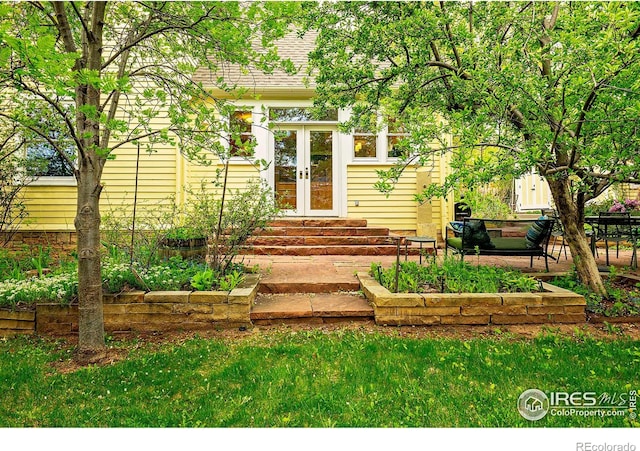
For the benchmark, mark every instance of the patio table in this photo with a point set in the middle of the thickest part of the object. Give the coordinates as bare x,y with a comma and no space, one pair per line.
632,221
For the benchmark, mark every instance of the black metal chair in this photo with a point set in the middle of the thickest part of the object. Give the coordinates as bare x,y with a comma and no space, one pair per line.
615,227
557,232
461,210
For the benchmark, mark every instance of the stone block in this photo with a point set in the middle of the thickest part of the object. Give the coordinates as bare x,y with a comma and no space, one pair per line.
422,320
48,327
494,310
521,298
545,309
399,300
167,296
151,308
201,318
462,299
570,318
427,311
239,312
131,297
56,309
20,316
468,320
519,319
193,308
407,320
153,318
16,324
114,309
208,297
384,311
241,296
220,312
563,299
574,309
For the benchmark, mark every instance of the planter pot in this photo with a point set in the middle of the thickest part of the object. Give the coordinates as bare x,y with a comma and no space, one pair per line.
190,243
192,248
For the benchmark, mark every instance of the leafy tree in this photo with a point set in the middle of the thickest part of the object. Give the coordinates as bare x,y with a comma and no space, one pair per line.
108,73
553,86
15,174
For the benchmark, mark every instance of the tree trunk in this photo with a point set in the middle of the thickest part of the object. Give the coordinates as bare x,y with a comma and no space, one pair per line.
572,217
87,222
91,159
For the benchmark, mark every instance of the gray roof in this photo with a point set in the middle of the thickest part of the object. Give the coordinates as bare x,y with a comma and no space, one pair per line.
291,46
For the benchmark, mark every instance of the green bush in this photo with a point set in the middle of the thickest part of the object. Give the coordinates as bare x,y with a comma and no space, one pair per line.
244,212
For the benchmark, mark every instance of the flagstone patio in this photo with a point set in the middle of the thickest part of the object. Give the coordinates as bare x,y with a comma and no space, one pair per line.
324,289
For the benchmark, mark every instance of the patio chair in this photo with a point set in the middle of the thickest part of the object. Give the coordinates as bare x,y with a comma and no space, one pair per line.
557,232
615,227
461,210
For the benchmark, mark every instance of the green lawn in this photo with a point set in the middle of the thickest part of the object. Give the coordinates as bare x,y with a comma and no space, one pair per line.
354,378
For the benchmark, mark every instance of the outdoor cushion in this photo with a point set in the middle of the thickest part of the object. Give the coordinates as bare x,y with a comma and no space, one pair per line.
510,244
457,226
475,234
537,232
455,242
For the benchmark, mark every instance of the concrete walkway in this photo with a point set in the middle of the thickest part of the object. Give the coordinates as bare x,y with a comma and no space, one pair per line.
324,289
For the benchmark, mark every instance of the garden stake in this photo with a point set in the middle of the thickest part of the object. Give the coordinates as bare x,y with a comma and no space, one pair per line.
397,264
135,203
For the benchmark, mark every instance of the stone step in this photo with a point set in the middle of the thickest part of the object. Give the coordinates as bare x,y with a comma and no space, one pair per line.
307,287
321,240
318,222
324,231
274,309
328,250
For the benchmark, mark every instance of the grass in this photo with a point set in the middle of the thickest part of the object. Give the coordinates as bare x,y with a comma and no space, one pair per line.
344,378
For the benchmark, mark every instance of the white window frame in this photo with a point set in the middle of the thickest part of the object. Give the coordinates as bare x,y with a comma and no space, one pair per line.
51,180
243,159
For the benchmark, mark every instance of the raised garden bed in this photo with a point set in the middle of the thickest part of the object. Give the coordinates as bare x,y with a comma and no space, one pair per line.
553,305
137,311
18,322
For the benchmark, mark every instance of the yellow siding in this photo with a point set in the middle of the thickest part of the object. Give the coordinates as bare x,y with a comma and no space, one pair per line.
397,212
50,208
239,174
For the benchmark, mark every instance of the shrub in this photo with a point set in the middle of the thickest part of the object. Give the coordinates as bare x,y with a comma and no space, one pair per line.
244,212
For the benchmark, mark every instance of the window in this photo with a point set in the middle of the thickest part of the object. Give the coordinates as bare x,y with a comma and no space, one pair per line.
397,138
364,144
46,161
241,137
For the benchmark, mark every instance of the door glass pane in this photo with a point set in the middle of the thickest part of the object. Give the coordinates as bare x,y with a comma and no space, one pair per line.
286,161
321,177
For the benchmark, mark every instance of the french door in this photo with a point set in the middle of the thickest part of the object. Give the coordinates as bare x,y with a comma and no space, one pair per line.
305,170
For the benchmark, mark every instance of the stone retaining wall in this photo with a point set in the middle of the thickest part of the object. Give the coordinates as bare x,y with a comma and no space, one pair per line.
159,311
555,305
16,323
62,240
